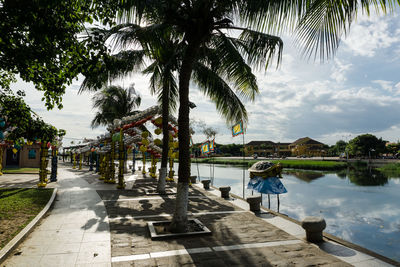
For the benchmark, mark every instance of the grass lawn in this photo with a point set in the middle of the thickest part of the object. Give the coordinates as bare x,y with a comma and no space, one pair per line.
18,206
295,164
391,170
21,170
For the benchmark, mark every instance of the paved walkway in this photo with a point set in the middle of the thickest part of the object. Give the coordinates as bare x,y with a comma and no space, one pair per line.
74,233
93,224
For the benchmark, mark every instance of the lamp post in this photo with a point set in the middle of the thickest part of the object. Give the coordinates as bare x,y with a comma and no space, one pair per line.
133,158
369,152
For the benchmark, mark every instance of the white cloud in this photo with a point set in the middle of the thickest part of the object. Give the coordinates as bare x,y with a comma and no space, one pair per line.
340,70
397,86
386,85
370,34
327,109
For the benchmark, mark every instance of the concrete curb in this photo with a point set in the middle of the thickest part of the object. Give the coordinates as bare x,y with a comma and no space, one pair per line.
6,251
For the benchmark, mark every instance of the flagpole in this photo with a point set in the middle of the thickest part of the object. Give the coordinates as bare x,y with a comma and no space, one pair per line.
243,165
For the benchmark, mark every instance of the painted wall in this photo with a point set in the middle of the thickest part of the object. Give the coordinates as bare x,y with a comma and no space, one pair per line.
24,160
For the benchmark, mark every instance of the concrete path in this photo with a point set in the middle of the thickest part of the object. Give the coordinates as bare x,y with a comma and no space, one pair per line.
75,232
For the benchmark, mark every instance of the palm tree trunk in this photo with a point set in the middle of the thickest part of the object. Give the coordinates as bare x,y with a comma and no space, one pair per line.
179,221
164,156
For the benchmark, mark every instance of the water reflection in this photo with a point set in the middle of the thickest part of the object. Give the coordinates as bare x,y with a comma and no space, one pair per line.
364,176
359,205
306,176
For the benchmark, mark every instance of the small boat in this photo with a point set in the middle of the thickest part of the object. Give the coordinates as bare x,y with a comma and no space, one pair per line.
265,169
264,178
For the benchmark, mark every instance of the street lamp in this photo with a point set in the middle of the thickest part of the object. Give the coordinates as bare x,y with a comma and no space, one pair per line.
369,152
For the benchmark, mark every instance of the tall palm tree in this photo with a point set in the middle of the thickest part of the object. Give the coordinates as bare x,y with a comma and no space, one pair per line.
166,52
319,25
162,70
114,102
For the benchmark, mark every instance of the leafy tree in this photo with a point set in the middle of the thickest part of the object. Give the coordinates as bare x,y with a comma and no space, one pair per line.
393,148
114,102
16,113
338,148
365,144
210,132
38,41
204,25
232,149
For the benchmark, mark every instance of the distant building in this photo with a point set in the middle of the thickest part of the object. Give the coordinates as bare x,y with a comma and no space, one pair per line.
26,157
301,147
267,148
307,147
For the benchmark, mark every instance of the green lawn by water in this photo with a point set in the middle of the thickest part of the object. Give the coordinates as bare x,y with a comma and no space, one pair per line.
18,206
391,169
295,164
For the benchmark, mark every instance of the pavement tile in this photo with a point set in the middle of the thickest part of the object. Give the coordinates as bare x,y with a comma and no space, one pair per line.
58,260
94,246
77,214
21,260
31,250
96,236
63,248
97,264
92,257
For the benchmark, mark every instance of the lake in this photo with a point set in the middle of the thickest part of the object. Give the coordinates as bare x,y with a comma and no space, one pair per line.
359,205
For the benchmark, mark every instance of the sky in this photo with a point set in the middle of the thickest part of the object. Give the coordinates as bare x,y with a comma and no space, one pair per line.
356,92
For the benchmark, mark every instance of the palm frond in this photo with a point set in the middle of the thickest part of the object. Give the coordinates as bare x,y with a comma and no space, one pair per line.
232,66
319,31
147,37
227,102
259,48
114,102
111,68
318,24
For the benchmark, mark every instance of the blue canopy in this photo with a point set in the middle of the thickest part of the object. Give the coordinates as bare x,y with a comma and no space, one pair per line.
270,185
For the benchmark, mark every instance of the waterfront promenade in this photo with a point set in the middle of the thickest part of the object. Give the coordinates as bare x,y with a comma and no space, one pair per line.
94,224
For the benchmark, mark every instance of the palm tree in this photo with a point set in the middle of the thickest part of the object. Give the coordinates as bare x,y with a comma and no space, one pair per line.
166,53
114,102
163,81
205,24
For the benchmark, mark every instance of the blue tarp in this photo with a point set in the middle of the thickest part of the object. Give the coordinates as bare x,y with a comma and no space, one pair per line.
271,185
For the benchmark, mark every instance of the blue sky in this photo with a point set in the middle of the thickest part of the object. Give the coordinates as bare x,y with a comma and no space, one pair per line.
356,92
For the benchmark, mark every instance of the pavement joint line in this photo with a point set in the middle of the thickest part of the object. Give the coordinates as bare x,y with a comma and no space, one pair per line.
147,198
169,253
170,215
257,245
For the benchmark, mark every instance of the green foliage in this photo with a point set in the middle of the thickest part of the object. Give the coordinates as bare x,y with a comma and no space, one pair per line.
365,144
114,102
38,41
338,148
393,148
391,170
16,112
25,123
232,149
